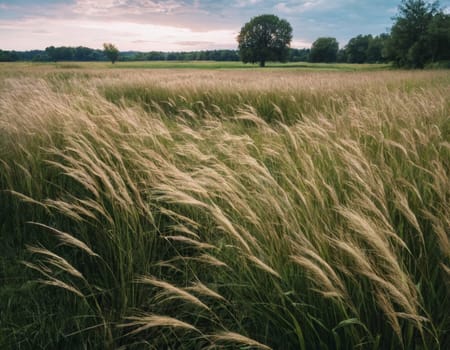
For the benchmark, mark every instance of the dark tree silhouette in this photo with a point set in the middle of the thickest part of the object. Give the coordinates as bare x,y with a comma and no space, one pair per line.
111,52
265,38
409,42
324,50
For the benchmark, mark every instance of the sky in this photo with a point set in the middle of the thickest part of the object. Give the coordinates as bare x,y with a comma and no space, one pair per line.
182,25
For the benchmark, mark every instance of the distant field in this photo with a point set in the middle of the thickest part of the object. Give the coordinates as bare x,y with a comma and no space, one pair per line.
299,206
199,65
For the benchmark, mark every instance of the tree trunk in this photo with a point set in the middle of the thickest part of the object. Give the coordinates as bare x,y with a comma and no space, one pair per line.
262,64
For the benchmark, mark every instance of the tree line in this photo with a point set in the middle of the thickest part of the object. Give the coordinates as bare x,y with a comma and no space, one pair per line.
419,36
64,53
360,49
81,54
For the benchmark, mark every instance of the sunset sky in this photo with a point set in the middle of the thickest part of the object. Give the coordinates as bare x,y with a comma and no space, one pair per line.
181,25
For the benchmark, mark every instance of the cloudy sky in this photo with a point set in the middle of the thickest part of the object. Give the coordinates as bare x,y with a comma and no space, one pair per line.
181,25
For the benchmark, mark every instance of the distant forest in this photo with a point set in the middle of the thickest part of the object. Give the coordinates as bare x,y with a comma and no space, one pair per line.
373,46
63,53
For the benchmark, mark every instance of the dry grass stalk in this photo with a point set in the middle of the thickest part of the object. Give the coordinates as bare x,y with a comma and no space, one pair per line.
148,321
236,338
66,239
200,288
263,266
172,291
56,261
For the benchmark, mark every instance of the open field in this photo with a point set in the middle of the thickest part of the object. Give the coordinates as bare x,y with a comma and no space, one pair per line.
223,208
195,65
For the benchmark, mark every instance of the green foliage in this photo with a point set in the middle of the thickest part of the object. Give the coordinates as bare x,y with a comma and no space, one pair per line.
62,53
365,48
324,50
419,34
8,56
265,38
299,55
357,48
111,52
376,50
41,58
438,37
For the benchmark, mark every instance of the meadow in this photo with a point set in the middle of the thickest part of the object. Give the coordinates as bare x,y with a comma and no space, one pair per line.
197,65
145,206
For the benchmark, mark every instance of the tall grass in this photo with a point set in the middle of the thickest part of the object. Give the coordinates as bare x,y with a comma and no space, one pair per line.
170,209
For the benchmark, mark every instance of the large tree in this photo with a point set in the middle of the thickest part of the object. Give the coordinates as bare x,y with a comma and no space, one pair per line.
357,48
265,38
111,52
409,42
324,50
438,37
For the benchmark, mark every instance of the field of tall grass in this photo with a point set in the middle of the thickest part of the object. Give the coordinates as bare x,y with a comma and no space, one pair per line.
239,209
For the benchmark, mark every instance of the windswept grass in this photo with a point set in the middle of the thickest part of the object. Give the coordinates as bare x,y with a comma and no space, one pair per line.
209,209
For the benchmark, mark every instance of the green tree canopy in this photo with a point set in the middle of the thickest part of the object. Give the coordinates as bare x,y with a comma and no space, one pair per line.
409,42
324,50
62,53
357,48
111,52
8,56
376,49
438,37
265,38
